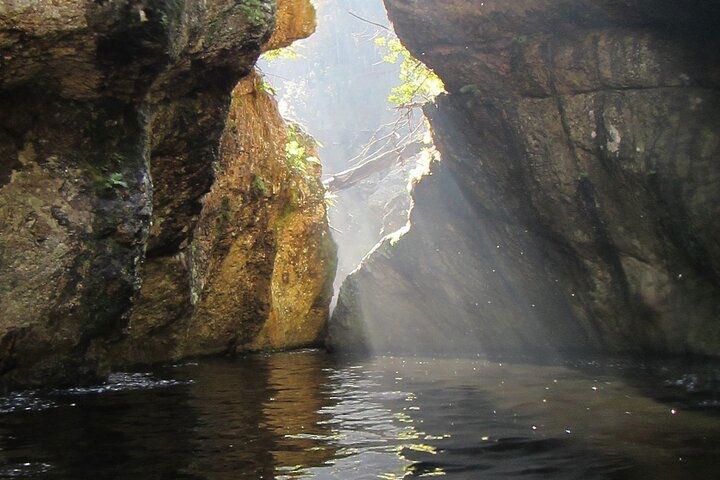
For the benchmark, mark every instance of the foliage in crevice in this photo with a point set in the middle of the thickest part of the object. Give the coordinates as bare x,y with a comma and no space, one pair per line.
285,53
419,84
299,151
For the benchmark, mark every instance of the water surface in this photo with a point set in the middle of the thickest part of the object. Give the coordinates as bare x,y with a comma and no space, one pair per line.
308,415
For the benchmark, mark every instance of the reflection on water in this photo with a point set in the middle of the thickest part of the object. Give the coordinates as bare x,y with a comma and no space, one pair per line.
307,415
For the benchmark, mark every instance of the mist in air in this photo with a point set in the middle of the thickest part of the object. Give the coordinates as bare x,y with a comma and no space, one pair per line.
359,239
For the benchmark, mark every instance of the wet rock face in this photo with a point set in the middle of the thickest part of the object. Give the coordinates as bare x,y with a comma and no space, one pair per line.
259,268
219,236
111,120
576,202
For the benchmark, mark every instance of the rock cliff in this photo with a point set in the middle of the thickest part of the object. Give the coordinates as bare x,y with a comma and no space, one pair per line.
118,170
576,205
258,270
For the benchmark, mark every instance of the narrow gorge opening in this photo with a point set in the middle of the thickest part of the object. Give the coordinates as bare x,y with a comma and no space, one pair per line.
359,93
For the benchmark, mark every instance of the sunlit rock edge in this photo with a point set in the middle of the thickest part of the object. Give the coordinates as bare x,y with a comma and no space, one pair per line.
575,208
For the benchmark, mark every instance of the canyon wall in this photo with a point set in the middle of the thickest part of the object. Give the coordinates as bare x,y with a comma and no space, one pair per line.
147,209
575,207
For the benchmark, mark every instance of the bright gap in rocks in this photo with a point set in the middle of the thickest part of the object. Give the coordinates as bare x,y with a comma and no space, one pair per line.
355,88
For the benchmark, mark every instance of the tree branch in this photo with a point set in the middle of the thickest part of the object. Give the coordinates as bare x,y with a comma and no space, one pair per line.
368,21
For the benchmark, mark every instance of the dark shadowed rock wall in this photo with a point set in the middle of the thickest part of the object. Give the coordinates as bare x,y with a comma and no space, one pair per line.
114,157
576,206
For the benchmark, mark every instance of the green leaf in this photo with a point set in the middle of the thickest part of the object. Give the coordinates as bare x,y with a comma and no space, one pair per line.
287,53
418,84
117,180
264,87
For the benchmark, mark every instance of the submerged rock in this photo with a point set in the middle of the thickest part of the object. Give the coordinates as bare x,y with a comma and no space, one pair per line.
577,201
118,169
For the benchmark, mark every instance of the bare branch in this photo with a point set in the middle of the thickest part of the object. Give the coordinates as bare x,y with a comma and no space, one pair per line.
368,21
378,163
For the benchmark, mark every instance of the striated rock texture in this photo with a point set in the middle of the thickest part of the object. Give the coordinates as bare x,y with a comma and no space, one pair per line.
576,205
112,120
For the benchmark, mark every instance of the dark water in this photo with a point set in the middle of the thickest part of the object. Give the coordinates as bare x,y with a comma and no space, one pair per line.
305,415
